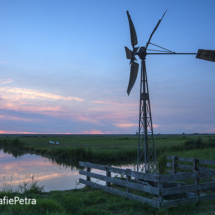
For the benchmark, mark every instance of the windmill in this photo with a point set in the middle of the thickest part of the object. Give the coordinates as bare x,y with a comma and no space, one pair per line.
146,153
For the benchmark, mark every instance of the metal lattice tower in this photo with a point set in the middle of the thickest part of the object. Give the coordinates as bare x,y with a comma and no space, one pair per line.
146,149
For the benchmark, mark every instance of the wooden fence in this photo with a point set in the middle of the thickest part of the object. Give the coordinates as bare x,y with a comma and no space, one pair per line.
166,185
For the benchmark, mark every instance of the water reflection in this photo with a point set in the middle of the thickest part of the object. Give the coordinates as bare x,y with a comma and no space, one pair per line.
53,174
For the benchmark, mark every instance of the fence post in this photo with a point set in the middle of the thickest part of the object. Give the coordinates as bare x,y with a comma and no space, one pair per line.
196,180
174,165
128,179
108,174
160,200
88,177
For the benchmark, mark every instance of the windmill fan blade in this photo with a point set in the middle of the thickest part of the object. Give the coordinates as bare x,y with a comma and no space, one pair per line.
132,31
133,76
206,54
129,53
154,30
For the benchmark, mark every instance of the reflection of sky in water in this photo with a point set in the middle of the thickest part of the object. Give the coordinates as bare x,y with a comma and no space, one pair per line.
52,175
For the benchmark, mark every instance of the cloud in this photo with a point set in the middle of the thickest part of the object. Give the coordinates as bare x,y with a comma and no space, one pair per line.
4,62
25,132
19,106
92,131
126,125
5,81
16,132
114,103
22,93
4,117
87,119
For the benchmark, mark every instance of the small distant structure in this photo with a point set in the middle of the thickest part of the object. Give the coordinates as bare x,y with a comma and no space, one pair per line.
136,132
183,133
51,142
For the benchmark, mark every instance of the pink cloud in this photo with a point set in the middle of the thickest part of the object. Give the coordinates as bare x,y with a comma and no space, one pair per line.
16,132
211,130
126,125
5,81
114,103
6,117
92,131
22,93
25,132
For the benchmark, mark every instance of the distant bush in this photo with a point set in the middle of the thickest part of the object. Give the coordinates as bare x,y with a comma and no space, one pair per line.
191,144
162,161
12,143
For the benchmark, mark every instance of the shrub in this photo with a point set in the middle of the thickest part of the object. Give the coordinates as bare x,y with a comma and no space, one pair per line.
162,164
197,144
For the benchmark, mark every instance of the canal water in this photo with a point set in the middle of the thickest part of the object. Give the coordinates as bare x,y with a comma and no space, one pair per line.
16,167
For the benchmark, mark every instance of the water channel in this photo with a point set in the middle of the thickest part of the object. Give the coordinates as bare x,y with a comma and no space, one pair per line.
52,174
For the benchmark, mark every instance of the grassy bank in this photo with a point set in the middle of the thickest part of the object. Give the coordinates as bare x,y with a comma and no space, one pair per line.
91,202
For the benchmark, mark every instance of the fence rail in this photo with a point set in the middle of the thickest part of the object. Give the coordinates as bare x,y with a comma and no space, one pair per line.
165,185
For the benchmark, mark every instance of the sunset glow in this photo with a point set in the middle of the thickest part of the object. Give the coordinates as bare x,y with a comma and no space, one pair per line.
64,73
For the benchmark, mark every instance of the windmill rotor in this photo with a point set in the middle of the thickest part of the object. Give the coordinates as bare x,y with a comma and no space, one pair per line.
131,55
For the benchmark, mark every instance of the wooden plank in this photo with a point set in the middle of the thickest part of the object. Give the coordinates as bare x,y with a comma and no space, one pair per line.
203,161
189,175
181,166
187,188
151,202
202,168
136,186
170,172
185,201
145,176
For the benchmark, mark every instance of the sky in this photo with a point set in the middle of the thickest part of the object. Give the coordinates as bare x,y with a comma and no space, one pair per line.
63,68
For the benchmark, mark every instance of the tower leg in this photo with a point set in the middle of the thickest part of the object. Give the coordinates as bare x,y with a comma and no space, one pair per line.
146,153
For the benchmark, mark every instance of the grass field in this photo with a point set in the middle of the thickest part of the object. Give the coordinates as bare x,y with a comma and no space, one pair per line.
106,141
98,148
91,201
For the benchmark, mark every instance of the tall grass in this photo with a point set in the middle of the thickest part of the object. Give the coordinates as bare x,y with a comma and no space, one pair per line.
28,185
